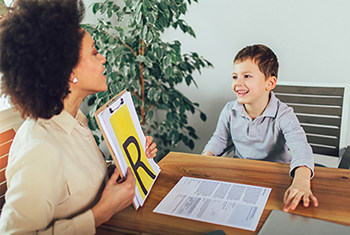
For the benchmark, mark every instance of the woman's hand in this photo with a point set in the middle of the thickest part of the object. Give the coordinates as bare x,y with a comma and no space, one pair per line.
299,190
115,197
151,147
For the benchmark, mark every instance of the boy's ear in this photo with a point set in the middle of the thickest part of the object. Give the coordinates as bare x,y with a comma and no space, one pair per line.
271,84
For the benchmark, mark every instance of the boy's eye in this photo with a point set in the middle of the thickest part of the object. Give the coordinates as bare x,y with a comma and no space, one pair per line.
247,76
234,77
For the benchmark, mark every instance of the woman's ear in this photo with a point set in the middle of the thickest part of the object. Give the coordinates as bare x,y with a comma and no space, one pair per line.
271,84
73,78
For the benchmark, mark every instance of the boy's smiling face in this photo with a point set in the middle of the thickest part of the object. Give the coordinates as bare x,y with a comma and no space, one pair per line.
250,85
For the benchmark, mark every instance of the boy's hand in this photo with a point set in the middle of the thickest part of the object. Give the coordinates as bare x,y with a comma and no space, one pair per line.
299,190
151,147
208,153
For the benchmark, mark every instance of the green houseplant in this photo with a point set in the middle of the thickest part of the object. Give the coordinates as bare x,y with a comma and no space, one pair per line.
3,8
138,60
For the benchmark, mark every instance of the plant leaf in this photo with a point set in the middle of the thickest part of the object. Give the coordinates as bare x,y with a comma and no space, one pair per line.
159,53
128,3
203,116
140,58
150,114
149,37
104,8
95,8
165,98
167,61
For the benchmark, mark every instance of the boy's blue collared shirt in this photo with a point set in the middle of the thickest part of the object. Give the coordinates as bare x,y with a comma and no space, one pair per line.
268,137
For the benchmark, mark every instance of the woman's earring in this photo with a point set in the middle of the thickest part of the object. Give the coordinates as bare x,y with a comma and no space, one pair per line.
75,80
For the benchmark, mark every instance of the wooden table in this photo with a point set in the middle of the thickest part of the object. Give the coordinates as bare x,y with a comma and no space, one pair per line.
331,187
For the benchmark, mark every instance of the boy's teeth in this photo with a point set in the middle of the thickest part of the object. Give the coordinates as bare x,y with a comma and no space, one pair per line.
242,92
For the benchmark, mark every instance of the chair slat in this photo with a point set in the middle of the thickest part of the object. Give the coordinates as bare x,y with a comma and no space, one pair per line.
5,148
336,122
2,176
3,188
317,110
321,131
310,100
325,151
2,202
323,141
3,161
7,136
333,91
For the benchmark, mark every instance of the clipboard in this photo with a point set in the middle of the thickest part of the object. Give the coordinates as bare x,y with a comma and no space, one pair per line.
121,129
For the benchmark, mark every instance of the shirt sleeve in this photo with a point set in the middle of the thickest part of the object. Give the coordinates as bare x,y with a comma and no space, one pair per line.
296,141
221,137
80,224
35,183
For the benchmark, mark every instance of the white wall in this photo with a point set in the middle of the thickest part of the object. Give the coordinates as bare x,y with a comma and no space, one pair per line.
89,16
310,37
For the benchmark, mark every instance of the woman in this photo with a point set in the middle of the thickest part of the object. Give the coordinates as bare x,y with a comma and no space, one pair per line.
56,174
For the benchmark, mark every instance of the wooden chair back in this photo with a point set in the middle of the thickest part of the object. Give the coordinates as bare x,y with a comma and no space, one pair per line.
320,113
6,139
10,121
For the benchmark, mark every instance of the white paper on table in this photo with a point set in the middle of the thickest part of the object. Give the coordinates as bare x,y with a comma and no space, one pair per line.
218,202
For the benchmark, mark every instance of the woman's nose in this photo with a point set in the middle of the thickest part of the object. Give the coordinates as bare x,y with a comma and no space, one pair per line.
102,59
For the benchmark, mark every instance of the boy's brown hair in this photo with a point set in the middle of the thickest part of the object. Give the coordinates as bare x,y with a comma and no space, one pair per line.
262,56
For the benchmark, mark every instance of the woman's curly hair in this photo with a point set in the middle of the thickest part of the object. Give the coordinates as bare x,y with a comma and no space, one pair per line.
40,42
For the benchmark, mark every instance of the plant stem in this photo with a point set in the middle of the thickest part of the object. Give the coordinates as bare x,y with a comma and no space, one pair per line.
142,50
142,82
105,32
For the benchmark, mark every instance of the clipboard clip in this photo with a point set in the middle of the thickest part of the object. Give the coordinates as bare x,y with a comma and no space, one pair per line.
121,103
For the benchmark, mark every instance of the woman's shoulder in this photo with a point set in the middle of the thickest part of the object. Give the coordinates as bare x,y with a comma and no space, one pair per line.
31,131
31,142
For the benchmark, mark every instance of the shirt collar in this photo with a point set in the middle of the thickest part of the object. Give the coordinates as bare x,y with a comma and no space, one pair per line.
67,122
240,109
270,110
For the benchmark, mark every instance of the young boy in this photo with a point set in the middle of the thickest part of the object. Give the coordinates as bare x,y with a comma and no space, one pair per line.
262,127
